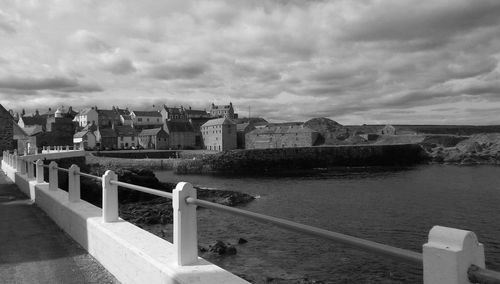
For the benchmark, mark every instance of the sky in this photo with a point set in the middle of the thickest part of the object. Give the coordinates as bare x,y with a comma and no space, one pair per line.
356,62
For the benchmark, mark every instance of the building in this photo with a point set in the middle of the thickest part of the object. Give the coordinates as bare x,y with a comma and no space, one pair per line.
86,116
126,119
220,111
284,135
106,138
127,137
241,130
172,113
219,134
196,123
181,134
155,138
84,140
108,117
146,118
6,130
195,113
32,122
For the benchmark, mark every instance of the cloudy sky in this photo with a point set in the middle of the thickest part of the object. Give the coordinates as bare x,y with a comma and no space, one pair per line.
400,61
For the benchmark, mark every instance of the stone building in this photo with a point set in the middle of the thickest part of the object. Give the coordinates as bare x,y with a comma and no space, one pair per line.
196,123
181,134
219,134
127,137
283,135
155,138
6,130
106,138
84,140
146,118
221,111
172,113
241,130
86,116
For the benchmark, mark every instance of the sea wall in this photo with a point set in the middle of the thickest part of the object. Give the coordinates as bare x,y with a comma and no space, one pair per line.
316,157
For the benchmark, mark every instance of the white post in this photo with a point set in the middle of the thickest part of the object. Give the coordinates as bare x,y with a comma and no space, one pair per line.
448,255
67,147
109,197
39,171
74,183
36,150
18,163
29,166
185,225
22,168
53,180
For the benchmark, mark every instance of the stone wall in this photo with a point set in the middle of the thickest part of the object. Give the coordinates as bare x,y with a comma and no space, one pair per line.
262,160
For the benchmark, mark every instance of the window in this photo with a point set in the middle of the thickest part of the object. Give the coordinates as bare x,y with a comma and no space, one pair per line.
139,119
147,119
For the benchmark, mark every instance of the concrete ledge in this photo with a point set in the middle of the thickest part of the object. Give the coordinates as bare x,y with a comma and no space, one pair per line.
131,254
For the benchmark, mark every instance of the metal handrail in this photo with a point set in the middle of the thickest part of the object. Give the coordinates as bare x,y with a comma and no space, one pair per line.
390,251
477,274
142,189
88,175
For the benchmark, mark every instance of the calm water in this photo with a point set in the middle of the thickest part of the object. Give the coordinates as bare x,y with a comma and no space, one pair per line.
395,207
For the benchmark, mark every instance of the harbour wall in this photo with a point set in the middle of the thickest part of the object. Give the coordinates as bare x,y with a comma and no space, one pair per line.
317,157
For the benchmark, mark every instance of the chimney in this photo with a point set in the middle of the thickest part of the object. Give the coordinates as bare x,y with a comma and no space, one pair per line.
37,113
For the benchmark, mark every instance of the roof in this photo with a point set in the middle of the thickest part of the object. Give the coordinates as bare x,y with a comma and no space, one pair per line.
107,132
195,111
146,113
151,132
80,134
178,126
32,130
107,112
218,121
125,130
85,111
243,126
36,120
126,117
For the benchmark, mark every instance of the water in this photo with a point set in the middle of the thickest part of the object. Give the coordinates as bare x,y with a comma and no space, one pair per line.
395,207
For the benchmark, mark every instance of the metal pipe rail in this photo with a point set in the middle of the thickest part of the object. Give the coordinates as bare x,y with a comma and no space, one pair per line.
142,189
477,274
374,247
88,175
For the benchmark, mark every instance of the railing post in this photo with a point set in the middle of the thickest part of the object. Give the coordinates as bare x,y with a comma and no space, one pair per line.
67,148
22,167
53,179
18,163
74,183
109,197
15,160
29,166
36,150
185,225
448,255
39,171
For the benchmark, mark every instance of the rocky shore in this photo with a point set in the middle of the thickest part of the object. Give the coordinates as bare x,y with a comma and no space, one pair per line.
479,149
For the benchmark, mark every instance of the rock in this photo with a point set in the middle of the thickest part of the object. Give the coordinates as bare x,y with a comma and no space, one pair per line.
220,248
242,241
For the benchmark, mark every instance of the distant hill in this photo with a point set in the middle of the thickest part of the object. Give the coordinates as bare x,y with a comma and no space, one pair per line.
430,129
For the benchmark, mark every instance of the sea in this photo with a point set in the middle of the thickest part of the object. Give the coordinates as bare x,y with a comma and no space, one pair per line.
393,206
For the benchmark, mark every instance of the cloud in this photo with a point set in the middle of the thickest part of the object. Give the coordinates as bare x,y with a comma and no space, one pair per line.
61,84
173,71
89,41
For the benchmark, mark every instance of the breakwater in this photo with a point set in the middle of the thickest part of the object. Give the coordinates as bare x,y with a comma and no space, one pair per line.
259,160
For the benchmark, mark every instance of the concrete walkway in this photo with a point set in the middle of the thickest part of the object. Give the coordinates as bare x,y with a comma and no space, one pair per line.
34,250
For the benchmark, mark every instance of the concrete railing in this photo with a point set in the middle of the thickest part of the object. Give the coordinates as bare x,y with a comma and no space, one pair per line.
451,256
51,149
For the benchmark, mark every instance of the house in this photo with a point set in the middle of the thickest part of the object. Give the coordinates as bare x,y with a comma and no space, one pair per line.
106,138
84,140
126,119
155,138
32,121
219,134
181,134
226,111
241,130
127,137
108,117
196,123
6,130
194,113
146,118
172,113
86,116
282,135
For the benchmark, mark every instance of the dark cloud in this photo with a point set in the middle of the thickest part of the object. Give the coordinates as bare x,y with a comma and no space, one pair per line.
409,20
177,71
7,28
61,84
121,66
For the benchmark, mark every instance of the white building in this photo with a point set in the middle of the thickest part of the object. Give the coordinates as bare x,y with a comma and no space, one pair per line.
86,116
141,118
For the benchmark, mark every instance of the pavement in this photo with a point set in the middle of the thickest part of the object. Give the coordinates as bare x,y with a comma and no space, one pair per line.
33,249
